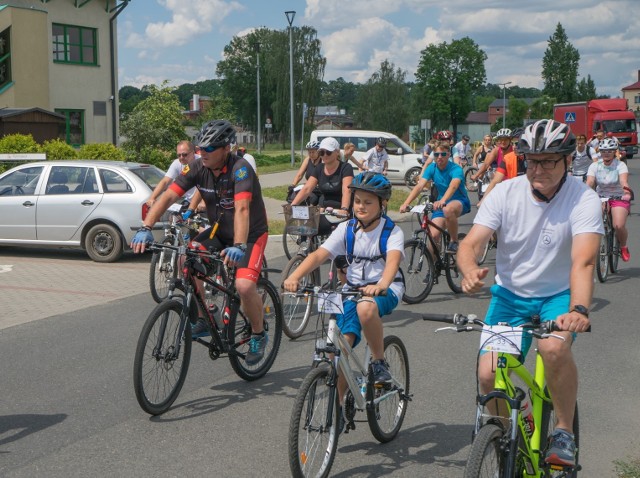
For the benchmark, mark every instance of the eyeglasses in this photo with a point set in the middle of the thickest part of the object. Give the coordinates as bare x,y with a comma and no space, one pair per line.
545,163
441,154
208,149
183,155
324,152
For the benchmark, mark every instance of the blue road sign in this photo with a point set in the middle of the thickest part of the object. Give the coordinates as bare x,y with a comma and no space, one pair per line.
569,117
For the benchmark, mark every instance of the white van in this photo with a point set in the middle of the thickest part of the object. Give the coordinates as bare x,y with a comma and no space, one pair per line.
404,162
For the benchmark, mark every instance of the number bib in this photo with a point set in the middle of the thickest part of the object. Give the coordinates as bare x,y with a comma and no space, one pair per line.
330,303
501,338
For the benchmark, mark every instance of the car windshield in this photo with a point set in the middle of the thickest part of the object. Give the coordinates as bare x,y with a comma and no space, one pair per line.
150,175
405,147
619,126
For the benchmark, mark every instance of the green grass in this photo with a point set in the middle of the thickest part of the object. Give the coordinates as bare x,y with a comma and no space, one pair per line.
628,469
398,195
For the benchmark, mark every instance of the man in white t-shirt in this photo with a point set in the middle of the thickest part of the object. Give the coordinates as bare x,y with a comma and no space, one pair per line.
186,154
549,232
376,159
461,149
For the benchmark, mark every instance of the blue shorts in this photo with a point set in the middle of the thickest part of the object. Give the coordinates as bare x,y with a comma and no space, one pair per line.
466,208
349,322
509,308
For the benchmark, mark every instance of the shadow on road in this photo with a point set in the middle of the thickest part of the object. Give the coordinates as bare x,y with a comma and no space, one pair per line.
16,427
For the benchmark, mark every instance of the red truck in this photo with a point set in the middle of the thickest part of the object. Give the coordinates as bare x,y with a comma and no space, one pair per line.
611,115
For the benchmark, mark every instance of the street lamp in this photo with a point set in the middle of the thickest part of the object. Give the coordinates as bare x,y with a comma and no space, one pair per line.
504,101
259,120
290,16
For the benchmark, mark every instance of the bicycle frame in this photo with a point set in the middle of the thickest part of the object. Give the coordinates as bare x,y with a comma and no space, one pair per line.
505,389
425,228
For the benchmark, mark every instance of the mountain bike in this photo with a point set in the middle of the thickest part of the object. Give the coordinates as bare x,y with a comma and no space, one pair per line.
425,259
514,445
316,421
609,250
297,309
163,352
164,262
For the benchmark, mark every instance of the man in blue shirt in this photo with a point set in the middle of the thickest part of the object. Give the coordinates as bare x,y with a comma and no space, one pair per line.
452,201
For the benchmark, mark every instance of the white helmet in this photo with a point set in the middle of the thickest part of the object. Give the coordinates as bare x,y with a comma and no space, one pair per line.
608,144
547,136
503,133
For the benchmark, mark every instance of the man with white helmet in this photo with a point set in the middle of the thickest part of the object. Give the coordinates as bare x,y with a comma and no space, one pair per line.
549,232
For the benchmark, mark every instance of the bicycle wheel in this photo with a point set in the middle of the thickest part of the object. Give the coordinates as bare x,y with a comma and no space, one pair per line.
296,310
454,277
615,252
385,418
548,423
418,271
290,243
469,183
485,458
164,267
412,176
239,330
602,262
313,429
483,257
162,358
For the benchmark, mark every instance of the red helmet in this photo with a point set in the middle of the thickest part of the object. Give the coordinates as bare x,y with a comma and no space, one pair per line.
443,135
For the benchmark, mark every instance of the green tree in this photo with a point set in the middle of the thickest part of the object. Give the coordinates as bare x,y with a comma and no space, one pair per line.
560,67
185,92
586,89
237,72
383,102
129,97
340,93
517,113
448,76
155,123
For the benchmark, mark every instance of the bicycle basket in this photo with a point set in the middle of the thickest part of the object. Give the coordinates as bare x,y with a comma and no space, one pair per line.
301,220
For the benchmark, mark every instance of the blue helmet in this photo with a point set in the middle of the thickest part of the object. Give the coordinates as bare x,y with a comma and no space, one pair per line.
374,183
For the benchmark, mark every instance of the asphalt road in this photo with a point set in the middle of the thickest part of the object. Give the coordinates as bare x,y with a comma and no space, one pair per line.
68,407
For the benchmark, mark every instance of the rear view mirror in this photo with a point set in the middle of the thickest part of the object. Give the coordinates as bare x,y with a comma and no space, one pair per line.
399,151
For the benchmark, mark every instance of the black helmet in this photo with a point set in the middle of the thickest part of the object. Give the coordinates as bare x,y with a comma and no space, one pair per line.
382,141
374,183
547,136
216,133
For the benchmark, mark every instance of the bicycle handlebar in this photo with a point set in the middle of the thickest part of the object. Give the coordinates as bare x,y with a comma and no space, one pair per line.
315,289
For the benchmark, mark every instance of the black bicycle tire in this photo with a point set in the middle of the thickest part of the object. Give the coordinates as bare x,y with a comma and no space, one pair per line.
373,413
451,267
484,253
285,243
467,175
242,331
153,287
418,245
602,261
328,454
158,407
614,255
311,279
412,176
547,425
488,437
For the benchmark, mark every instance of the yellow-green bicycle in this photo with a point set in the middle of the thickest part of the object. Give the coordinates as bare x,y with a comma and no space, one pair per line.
509,447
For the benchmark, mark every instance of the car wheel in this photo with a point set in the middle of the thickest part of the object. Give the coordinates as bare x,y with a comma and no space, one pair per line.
103,243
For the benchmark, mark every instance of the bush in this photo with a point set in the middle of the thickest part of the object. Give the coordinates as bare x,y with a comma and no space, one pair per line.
157,157
101,151
18,143
58,149
266,160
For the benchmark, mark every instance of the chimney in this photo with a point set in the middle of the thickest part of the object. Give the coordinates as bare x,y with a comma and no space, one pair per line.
638,75
196,102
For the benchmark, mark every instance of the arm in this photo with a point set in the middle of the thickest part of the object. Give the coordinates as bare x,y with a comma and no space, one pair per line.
488,160
583,255
159,189
471,247
311,263
624,180
453,187
346,192
241,221
384,168
475,156
301,171
417,189
497,179
307,189
155,213
195,205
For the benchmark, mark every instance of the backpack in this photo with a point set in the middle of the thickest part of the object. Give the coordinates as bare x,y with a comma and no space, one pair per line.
575,153
384,237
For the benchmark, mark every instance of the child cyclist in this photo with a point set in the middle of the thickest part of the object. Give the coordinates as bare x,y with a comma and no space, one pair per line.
369,269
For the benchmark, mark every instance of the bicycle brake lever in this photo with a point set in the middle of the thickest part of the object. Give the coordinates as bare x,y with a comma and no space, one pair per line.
455,329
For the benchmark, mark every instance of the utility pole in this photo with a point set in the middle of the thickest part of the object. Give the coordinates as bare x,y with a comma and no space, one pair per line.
290,16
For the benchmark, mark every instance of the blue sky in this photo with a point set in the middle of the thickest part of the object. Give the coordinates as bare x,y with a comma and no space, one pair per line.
182,40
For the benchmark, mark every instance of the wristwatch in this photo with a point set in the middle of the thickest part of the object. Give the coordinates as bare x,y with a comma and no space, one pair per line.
580,309
241,245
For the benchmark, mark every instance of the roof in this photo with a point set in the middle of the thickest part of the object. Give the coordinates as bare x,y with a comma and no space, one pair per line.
478,117
8,112
633,86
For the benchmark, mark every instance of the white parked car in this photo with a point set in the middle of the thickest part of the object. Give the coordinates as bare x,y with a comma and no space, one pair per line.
95,205
404,162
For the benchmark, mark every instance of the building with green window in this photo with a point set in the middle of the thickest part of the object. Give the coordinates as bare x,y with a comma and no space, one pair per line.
61,56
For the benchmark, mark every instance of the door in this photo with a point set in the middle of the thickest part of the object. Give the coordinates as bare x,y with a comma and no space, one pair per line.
18,201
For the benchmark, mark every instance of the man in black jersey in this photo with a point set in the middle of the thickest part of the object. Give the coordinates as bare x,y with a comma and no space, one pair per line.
230,189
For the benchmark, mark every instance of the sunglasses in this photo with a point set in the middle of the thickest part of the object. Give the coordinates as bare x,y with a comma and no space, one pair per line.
324,152
441,154
208,149
183,155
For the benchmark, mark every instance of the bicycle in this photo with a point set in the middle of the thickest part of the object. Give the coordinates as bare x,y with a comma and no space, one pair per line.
492,243
297,309
163,351
164,262
511,446
315,420
609,251
422,267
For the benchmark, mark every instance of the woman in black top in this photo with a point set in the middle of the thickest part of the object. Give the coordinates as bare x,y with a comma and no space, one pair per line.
482,151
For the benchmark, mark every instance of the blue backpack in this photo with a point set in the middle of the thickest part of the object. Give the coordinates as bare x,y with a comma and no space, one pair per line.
384,237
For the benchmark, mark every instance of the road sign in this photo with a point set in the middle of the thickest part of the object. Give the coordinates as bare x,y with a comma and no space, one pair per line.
570,117
425,124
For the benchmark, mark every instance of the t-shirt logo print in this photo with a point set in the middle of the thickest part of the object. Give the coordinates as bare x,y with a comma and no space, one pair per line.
546,238
242,174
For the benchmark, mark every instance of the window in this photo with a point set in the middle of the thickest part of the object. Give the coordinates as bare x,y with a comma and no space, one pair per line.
5,59
112,182
74,127
76,45
21,183
636,99
72,180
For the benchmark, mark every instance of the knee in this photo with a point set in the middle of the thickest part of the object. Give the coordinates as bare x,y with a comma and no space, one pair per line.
486,379
555,355
368,312
245,287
